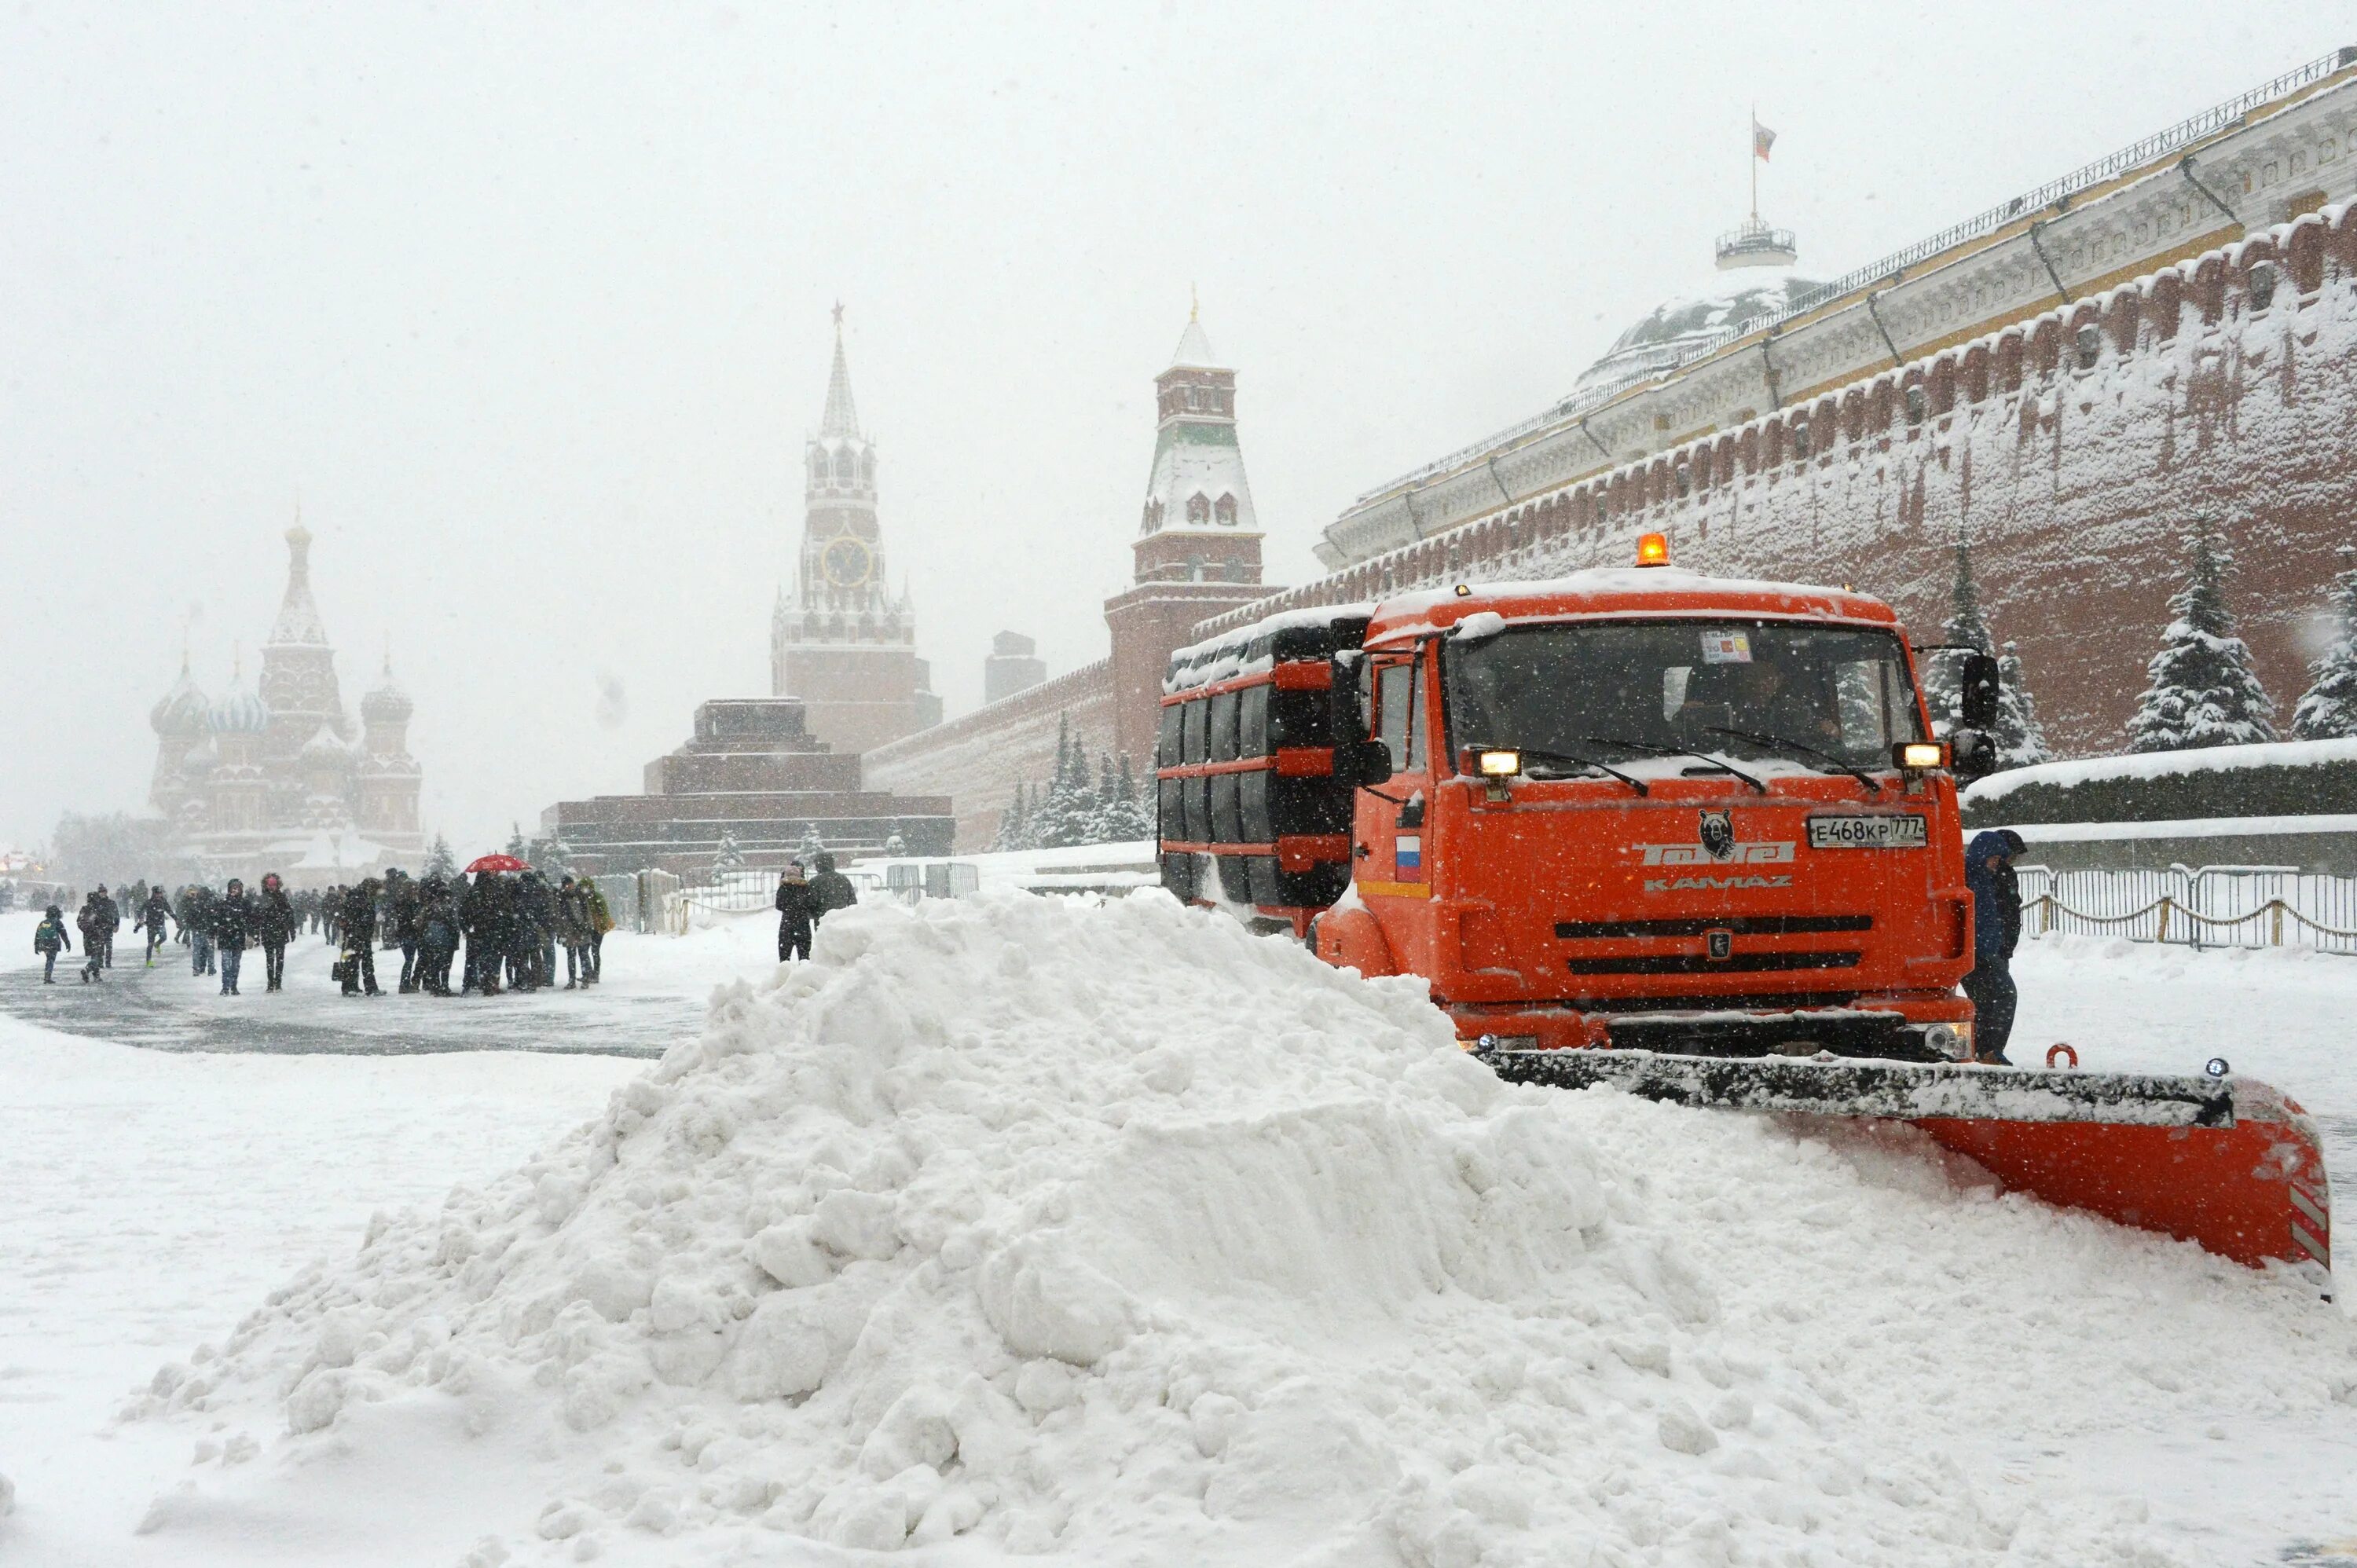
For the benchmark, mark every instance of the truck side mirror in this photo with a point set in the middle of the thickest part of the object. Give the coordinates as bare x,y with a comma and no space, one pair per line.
1979,687
1362,763
1971,754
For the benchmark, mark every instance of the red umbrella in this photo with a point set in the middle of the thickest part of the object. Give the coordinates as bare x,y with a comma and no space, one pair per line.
497,863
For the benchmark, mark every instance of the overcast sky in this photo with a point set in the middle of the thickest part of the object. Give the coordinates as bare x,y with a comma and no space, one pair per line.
526,306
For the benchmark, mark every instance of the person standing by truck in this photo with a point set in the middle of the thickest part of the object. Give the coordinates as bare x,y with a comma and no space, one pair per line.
1997,928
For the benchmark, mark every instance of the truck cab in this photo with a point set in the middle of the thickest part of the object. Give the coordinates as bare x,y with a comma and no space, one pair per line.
1634,808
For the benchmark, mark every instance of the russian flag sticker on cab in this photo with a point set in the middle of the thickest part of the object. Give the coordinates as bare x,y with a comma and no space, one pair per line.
1408,851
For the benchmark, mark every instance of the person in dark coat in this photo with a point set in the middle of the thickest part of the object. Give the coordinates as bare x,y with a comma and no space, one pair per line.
197,919
357,923
482,917
798,913
275,925
573,929
437,936
404,908
152,916
233,924
833,888
108,920
87,920
1997,928
601,920
49,939
537,903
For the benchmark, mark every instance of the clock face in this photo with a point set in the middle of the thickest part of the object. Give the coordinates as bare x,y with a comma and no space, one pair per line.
846,563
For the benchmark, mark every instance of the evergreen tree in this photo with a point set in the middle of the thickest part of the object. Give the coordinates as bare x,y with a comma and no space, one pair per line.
1060,819
1127,818
439,860
730,856
2328,709
894,845
2203,691
1944,677
1014,823
810,847
552,857
516,844
2019,738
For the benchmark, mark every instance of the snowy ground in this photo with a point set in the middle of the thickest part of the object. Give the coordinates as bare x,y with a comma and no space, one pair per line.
155,1197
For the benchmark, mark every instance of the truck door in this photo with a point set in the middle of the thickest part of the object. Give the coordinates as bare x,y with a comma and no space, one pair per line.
1390,822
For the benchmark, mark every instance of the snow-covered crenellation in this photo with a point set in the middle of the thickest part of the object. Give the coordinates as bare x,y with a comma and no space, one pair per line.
1117,1233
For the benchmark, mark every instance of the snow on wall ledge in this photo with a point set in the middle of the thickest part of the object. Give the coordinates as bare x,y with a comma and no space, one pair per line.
1116,1233
2163,765
2070,449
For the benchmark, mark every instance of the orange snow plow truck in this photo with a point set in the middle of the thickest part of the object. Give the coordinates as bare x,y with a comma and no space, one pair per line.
1691,837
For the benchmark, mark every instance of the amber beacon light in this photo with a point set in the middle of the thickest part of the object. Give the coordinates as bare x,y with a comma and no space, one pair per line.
1653,550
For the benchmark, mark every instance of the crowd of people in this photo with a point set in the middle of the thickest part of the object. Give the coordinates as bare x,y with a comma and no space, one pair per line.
508,925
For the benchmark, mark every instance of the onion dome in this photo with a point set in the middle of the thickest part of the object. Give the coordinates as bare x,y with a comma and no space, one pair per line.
388,704
182,711
240,711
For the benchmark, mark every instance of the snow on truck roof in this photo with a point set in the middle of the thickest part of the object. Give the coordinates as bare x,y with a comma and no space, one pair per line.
1619,591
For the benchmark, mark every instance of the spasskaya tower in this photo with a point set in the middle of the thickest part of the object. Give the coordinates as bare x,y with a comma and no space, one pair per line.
840,640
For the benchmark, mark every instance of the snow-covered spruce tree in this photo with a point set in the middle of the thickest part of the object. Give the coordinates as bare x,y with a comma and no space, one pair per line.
1944,673
2020,739
2328,709
1133,817
809,846
439,860
516,846
552,857
2203,691
731,856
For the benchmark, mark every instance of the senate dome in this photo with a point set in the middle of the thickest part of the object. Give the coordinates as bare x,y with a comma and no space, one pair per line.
1679,326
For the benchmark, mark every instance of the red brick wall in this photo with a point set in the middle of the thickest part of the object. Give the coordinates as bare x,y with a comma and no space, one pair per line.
2072,482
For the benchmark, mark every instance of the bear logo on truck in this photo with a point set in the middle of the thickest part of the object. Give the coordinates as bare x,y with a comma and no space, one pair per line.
1718,835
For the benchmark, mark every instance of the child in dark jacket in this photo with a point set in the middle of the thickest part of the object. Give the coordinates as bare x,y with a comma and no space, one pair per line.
49,939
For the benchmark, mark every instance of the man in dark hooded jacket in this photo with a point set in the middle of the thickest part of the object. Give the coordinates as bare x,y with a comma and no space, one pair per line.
1997,928
233,923
832,888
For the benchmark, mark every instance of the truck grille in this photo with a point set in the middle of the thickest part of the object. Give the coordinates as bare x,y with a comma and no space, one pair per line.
1741,925
1699,963
1860,1034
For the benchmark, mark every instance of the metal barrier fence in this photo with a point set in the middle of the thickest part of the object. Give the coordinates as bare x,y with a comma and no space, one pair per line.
2199,907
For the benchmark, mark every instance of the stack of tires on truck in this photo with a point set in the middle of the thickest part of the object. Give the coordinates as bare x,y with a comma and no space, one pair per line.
1245,756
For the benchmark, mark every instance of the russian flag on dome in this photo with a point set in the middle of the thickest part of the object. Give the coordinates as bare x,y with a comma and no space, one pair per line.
1762,138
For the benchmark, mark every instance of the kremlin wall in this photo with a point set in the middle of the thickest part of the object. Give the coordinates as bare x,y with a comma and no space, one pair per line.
2063,381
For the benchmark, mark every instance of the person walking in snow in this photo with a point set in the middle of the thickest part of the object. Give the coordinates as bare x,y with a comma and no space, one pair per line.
153,914
357,923
1997,928
573,930
275,925
798,912
86,920
405,907
233,922
197,919
49,939
601,920
482,916
437,936
108,920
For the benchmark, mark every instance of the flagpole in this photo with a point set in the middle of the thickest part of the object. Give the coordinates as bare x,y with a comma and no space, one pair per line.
1754,161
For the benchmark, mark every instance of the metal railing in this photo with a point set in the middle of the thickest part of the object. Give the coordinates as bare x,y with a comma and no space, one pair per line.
2184,134
2205,907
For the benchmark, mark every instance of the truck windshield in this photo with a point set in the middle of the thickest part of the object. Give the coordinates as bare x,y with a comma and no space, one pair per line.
1619,691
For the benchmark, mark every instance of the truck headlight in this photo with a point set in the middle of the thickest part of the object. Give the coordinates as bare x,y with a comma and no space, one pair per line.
1954,1041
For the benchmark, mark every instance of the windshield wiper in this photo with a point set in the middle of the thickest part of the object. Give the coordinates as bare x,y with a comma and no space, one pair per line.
1533,754
1651,749
1789,744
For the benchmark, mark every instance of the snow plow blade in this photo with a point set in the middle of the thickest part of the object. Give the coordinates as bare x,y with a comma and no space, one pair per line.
2230,1163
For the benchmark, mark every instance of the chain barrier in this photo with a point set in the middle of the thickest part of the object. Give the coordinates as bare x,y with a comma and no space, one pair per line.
2299,910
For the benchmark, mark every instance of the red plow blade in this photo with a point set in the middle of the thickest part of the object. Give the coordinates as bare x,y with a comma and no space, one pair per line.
2230,1163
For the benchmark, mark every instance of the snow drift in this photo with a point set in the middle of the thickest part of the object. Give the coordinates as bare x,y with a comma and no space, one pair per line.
1022,1226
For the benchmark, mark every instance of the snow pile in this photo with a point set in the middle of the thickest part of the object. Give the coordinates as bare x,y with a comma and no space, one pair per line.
1121,1234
